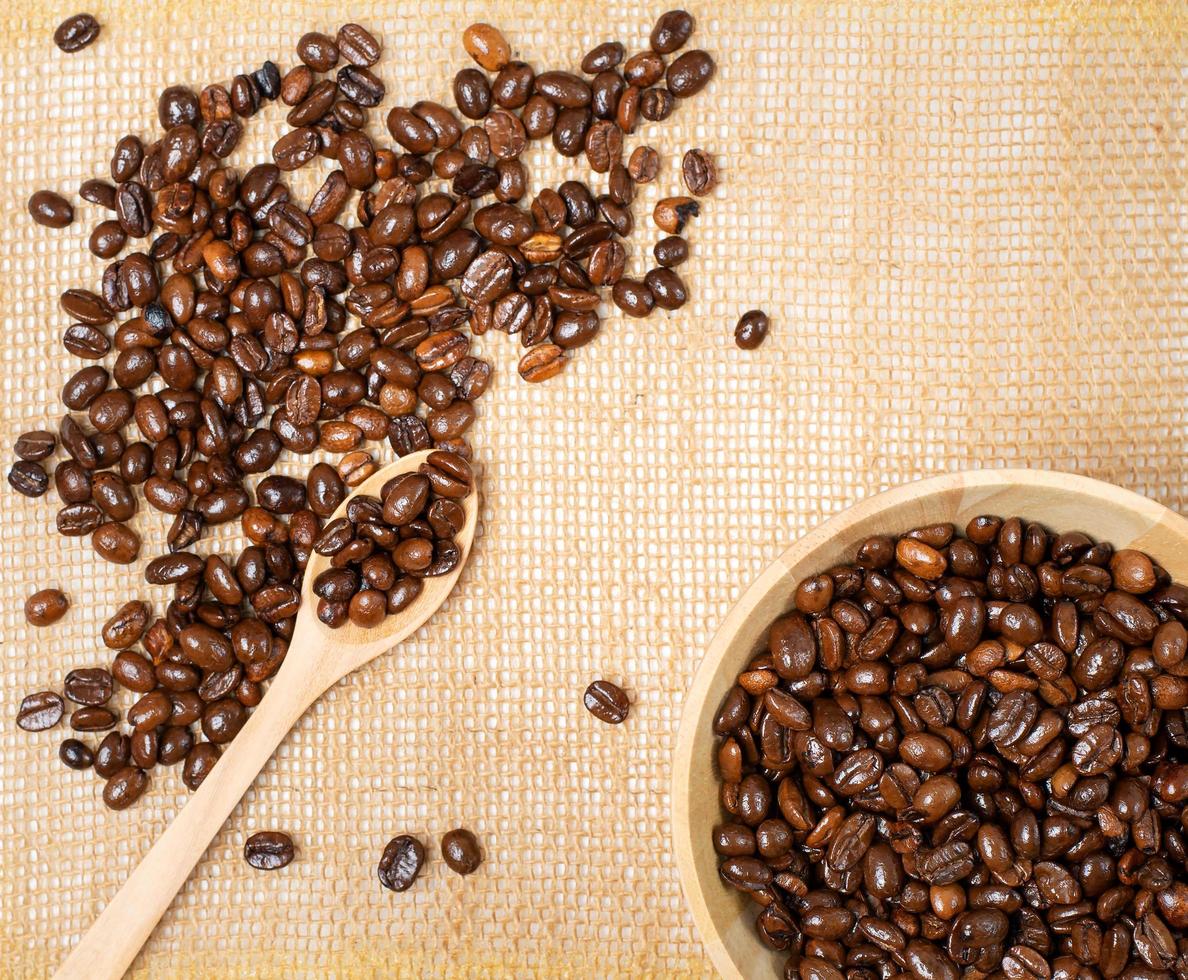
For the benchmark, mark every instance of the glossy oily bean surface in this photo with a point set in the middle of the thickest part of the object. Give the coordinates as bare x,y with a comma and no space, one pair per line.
966,750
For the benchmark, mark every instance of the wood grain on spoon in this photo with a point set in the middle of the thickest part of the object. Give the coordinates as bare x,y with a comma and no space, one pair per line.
317,657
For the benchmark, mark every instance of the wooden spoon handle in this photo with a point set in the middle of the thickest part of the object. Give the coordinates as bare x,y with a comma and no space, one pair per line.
111,944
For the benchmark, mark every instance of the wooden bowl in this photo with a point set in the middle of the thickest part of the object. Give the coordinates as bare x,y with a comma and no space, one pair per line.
1060,501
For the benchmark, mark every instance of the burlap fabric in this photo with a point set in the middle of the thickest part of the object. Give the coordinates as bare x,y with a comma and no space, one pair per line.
968,223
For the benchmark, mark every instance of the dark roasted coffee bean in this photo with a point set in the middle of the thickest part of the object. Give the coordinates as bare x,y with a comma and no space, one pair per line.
401,863
38,712
125,787
50,209
460,851
93,719
689,74
75,33
671,32
606,702
268,850
28,478
76,754
91,686
358,46
751,329
671,251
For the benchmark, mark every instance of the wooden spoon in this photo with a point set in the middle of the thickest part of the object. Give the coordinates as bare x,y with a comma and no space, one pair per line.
317,658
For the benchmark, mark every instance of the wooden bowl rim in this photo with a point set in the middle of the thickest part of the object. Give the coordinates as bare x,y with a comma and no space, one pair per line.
695,705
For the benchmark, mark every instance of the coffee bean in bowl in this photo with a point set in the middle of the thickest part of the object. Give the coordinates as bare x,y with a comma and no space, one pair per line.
955,750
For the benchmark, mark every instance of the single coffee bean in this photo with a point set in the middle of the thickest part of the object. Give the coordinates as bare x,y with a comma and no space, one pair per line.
75,754
125,787
75,33
401,863
50,209
673,29
606,702
699,172
689,74
46,607
486,45
751,329
40,711
460,851
644,164
90,686
268,850
28,478
93,719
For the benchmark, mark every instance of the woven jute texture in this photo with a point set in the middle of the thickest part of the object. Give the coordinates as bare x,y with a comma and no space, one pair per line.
969,226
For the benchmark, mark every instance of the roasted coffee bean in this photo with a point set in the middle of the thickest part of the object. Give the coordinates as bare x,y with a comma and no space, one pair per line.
460,851
93,719
268,850
606,702
45,607
486,45
918,768
50,209
41,711
358,46
667,288
36,445
91,686
199,763
28,478
699,172
670,251
76,754
671,32
689,74
126,626
672,213
117,543
751,329
125,787
75,33
401,863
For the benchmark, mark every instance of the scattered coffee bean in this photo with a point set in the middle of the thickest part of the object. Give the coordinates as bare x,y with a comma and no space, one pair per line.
607,702
40,711
751,329
50,209
268,850
75,754
401,863
75,33
45,607
460,851
250,323
644,164
671,214
699,171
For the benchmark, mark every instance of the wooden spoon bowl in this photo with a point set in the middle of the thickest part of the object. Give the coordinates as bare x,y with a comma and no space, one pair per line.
318,657
1060,501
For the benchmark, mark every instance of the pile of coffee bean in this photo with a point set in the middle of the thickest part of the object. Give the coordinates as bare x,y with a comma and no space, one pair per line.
384,546
966,756
243,322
